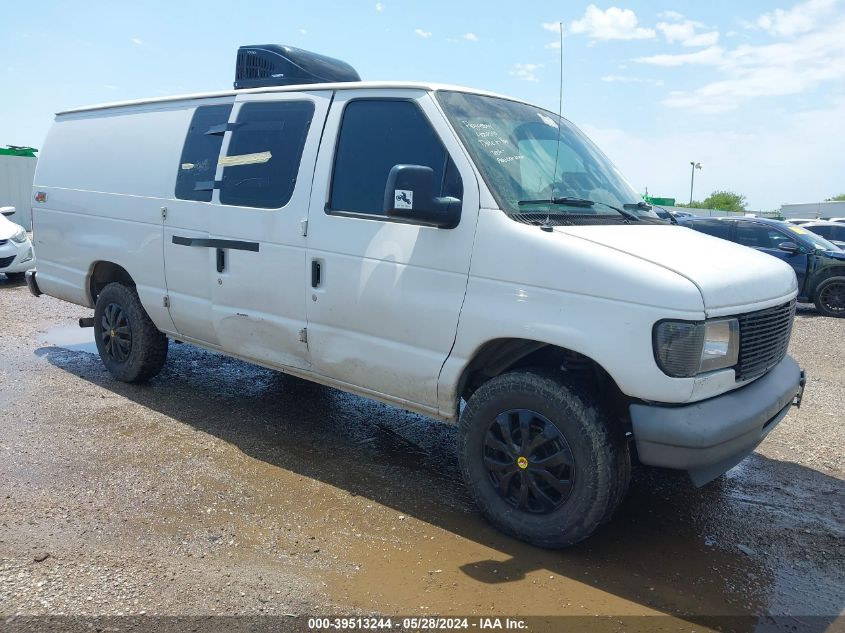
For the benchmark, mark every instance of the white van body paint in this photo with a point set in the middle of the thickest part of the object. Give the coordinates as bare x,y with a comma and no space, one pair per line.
402,309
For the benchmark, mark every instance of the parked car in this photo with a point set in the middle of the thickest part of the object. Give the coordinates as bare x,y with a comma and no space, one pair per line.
800,221
16,255
833,232
408,242
819,265
839,220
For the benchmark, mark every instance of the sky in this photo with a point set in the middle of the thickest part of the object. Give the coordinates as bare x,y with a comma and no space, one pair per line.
754,91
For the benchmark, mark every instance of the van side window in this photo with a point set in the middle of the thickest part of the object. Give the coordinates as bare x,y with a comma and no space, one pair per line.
263,158
199,154
374,136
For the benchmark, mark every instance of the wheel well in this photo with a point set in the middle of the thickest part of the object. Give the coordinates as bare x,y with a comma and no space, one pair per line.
827,273
105,273
502,355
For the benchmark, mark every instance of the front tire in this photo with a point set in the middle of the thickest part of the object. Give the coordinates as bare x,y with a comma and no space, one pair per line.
830,297
541,458
130,345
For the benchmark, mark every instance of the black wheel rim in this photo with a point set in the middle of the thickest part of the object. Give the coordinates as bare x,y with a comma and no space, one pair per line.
833,297
529,461
115,333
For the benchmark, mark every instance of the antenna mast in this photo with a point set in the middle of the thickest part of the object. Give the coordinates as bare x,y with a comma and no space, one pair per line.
559,108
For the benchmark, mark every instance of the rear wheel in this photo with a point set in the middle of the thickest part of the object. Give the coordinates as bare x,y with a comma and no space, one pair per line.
541,459
130,345
830,297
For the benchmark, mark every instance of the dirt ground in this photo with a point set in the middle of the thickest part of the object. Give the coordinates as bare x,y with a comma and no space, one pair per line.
222,487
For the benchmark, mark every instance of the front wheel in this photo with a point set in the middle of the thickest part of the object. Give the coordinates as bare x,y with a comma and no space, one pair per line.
830,297
542,460
130,345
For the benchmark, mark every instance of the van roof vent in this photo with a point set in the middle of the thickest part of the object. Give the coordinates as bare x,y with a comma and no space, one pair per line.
261,65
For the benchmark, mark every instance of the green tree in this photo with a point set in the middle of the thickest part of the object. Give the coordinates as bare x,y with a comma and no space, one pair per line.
839,198
725,201
721,200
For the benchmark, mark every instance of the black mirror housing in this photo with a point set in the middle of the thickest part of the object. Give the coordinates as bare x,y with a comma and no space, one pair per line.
409,194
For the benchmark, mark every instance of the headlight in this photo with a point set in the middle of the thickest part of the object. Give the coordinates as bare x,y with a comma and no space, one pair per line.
19,237
687,348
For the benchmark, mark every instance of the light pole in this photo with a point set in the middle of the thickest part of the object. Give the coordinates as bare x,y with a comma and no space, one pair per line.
695,166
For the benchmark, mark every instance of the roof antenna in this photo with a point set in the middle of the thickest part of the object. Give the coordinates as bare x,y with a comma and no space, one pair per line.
559,111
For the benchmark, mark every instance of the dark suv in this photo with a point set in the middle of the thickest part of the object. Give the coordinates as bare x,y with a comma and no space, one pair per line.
819,265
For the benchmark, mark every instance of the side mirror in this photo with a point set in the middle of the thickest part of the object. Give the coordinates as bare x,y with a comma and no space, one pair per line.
789,247
409,194
7,211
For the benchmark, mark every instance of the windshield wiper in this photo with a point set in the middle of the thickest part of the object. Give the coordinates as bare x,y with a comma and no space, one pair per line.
648,207
580,202
642,204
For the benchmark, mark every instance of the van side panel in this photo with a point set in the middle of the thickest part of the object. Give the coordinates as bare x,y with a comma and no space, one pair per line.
106,175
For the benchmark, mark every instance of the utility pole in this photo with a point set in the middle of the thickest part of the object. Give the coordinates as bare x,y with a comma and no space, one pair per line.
695,166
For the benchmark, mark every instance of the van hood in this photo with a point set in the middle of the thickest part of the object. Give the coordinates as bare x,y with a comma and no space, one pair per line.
727,275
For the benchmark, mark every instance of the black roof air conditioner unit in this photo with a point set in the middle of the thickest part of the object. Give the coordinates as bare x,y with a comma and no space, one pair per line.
263,65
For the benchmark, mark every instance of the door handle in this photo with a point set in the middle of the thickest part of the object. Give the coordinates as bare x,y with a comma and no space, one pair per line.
221,260
316,273
237,245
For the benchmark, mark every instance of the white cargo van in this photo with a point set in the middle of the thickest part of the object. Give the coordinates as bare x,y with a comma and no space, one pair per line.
423,245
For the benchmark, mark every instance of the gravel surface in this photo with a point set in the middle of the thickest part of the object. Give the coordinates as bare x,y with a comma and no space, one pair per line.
221,487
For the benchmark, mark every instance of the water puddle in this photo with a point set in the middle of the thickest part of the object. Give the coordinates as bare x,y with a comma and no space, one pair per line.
72,338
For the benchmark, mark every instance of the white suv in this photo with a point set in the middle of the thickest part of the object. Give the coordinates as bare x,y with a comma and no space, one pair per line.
422,245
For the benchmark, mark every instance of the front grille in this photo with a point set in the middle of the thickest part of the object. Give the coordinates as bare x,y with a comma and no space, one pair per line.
5,261
763,339
3,242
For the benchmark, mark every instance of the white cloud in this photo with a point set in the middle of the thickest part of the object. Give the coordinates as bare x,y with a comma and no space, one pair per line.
709,56
670,15
625,79
788,67
686,33
612,24
379,7
136,41
472,37
753,162
801,18
526,72
423,34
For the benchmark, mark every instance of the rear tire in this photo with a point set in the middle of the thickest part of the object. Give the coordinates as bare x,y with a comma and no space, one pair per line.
543,461
130,345
16,277
830,297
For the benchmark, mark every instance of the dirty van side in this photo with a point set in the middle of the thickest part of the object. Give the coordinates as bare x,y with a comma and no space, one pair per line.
426,246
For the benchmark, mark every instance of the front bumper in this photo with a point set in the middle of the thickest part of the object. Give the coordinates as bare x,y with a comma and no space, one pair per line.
16,258
710,437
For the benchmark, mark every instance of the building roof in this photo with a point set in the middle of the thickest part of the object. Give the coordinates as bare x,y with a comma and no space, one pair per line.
14,150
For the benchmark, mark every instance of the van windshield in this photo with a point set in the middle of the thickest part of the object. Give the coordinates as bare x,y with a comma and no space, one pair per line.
515,147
